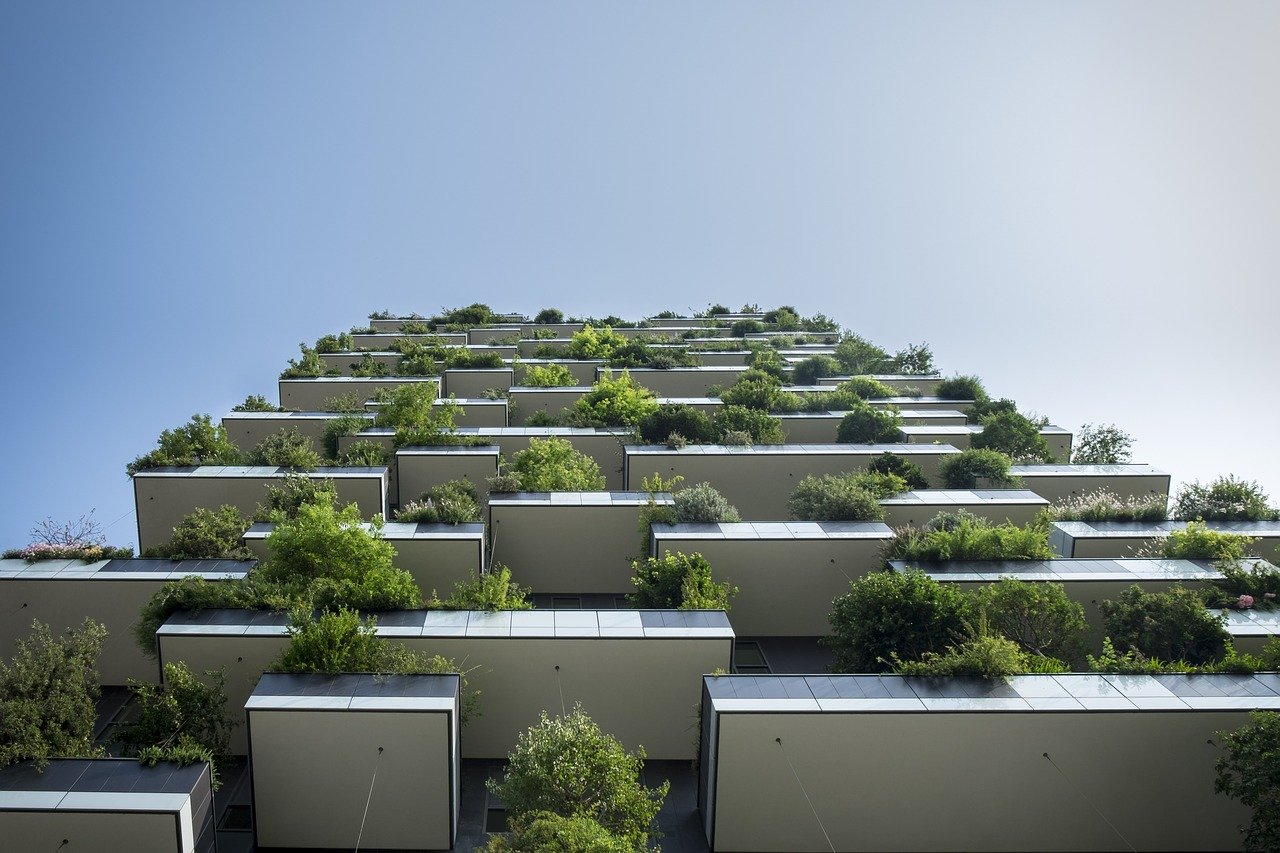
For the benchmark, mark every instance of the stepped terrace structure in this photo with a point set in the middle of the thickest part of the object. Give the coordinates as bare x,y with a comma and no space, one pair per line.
841,599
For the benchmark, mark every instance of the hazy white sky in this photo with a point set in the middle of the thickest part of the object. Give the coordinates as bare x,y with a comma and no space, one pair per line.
1076,201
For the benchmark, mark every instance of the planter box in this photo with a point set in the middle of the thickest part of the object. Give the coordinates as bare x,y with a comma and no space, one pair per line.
164,496
759,479
62,593
106,805
823,427
584,372
309,395
391,325
1056,483
344,362
381,341
635,671
423,468
681,381
472,412
959,751
569,542
474,381
488,334
924,383
524,402
961,436
437,555
246,430
1127,538
316,742
787,574
1085,581
1018,506
915,404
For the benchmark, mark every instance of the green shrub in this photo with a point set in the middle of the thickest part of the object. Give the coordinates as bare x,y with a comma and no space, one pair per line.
548,376
338,427
549,315
762,428
541,418
411,405
765,394
810,370
551,833
1102,445
970,538
198,442
694,425
1197,542
1257,580
1225,499
592,343
309,366
340,342
553,465
284,500
702,504
363,454
1248,771
321,540
982,655
192,593
1171,625
48,695
1013,435
186,716
744,327
679,581
256,403
492,591
841,497
1039,617
963,470
454,502
344,403
369,366
568,767
962,388
1103,505
908,471
766,360
206,534
866,388
286,449
857,355
784,317
470,316
913,360
865,425
612,402
888,613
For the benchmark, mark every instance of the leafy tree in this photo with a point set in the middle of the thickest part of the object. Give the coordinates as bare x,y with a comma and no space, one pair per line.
286,449
679,581
548,376
1104,444
550,833
256,403
887,613
494,590
206,534
549,315
568,767
842,497
914,359
198,442
865,425
891,463
184,720
612,402
857,355
809,371
1249,771
309,366
408,406
1039,617
553,465
679,418
1013,435
323,541
760,426
1170,625
1225,499
963,470
48,694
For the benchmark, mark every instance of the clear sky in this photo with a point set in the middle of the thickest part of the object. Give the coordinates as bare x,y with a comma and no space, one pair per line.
1077,201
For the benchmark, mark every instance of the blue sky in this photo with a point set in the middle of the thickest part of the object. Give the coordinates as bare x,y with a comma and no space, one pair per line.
1076,201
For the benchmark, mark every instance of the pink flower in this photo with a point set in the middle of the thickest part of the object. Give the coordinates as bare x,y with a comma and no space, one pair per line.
1245,602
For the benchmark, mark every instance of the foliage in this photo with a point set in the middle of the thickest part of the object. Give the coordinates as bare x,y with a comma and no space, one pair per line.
363,454
294,490
1246,584
548,376
368,366
983,654
652,512
612,402
866,388
309,366
702,504
567,766
88,553
857,355
340,342
493,590
1039,617
762,392
343,425
762,428
48,694
286,449
1104,505
454,502
765,360
549,315
679,581
551,833
592,343
206,534
1133,662
1225,499
1013,435
1104,444
694,425
970,538
476,314
1197,542
784,318
842,497
746,326
324,541
256,403
411,405
809,371
913,360
962,388
900,466
553,465
1249,770
192,593
888,613
963,470
184,720
198,442
1171,625
865,425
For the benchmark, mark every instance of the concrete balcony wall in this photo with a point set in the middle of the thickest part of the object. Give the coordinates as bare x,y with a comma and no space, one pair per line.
247,430
926,384
437,555
63,593
488,334
681,381
473,382
636,672
164,496
939,761
403,727
1128,538
787,573
382,341
823,427
1017,506
524,402
344,362
759,479
309,395
423,468
961,436
1056,483
569,542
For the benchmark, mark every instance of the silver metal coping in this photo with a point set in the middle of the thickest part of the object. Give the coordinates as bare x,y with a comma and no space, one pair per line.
776,530
1070,570
1129,529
